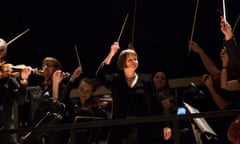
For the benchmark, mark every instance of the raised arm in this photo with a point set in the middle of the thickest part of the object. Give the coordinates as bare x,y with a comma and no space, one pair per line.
102,69
57,78
217,98
230,85
230,42
207,62
114,48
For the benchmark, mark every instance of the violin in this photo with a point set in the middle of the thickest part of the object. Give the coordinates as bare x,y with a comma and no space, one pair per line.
97,103
7,70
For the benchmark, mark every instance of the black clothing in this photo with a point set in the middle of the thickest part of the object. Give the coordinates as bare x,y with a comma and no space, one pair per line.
45,110
129,102
205,103
10,90
76,113
233,50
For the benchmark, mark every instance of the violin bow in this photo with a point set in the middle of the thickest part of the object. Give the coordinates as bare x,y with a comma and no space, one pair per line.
194,21
78,58
130,45
133,22
235,25
18,36
224,12
120,34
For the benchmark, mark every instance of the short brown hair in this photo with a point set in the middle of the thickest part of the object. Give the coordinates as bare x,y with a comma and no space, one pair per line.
57,64
121,62
91,81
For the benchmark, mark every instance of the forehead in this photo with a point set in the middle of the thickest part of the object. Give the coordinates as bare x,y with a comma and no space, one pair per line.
48,62
131,55
3,45
85,85
160,74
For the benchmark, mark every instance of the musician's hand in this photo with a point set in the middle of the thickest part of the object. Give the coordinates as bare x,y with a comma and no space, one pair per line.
207,80
226,29
22,140
58,76
26,71
193,46
167,133
114,48
224,57
76,73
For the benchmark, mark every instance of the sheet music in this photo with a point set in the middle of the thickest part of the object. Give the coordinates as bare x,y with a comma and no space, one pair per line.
200,122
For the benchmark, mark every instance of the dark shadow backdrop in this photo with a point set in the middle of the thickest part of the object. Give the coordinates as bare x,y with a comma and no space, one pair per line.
161,34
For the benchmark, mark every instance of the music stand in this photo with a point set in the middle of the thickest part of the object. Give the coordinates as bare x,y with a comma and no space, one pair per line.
207,133
85,135
48,119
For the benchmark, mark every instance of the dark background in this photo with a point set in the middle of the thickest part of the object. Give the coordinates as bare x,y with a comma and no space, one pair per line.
160,32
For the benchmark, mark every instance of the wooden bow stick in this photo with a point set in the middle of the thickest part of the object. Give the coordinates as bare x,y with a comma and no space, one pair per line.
235,25
224,12
134,21
194,21
78,58
122,28
18,36
130,45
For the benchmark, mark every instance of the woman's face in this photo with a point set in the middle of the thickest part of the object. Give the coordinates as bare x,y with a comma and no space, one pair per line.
48,68
159,80
3,50
85,91
2,54
131,61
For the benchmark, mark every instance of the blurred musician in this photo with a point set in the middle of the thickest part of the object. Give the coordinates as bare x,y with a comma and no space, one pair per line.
10,89
86,108
45,103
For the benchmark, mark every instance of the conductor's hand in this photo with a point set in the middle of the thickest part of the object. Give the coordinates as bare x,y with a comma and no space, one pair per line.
114,48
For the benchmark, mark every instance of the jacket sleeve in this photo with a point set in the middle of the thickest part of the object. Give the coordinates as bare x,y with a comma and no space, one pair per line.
103,76
19,92
233,50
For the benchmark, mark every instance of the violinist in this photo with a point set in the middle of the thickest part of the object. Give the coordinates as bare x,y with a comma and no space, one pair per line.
166,104
86,104
86,87
228,53
5,68
45,103
10,91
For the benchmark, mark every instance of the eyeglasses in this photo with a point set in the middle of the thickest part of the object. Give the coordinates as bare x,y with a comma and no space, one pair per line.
48,65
